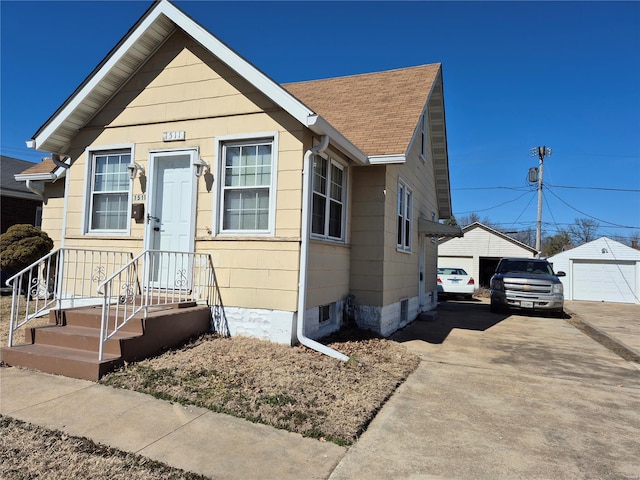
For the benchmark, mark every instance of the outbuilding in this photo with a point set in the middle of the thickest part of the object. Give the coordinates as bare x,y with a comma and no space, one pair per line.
479,251
601,271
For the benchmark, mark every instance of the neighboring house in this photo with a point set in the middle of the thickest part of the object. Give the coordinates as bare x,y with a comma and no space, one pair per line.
316,196
19,204
602,270
479,251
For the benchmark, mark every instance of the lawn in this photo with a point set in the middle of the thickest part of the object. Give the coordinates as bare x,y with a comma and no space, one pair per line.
291,388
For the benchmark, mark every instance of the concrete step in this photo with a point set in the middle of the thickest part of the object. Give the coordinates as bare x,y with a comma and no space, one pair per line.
61,361
79,338
91,317
69,344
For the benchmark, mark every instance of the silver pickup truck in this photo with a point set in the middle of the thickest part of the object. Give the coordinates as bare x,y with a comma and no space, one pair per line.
528,284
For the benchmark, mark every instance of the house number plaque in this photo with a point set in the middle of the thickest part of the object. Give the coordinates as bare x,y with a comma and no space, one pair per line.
173,136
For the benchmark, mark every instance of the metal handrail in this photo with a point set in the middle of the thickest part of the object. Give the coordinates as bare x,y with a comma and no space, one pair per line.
157,278
64,278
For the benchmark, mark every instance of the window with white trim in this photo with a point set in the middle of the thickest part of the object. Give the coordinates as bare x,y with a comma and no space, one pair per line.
247,186
405,207
328,199
109,189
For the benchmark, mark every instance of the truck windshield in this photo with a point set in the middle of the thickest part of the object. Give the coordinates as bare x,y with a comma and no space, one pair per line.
526,266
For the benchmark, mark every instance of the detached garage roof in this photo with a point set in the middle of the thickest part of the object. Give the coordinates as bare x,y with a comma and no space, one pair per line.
478,238
601,249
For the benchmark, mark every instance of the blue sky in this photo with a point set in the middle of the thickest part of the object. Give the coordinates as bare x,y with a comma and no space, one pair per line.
517,75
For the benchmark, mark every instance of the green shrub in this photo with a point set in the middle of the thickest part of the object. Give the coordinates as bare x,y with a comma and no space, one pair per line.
21,245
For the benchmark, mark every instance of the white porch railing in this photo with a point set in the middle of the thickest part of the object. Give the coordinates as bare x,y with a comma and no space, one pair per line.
158,278
64,278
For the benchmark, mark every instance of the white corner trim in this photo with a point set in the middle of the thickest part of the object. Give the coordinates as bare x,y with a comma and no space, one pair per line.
387,159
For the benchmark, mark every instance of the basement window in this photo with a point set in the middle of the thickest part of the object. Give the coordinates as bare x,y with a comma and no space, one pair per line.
326,312
404,310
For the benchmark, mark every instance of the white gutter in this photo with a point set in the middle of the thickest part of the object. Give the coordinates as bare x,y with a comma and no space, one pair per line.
304,254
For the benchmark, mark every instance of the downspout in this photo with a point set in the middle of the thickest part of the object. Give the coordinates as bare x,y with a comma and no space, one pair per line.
31,185
304,254
59,163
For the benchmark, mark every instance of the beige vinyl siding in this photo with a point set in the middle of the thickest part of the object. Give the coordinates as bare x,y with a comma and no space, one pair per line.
328,277
401,268
367,235
52,211
184,88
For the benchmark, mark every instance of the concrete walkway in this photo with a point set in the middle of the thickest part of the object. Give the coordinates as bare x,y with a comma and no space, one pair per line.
495,397
194,439
618,321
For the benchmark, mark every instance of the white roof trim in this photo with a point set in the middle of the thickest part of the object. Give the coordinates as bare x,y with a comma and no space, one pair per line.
254,76
46,177
320,126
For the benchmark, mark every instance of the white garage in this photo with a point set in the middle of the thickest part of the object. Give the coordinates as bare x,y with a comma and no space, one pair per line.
479,251
601,271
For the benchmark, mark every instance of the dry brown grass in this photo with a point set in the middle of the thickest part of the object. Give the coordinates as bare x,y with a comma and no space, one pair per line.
5,318
32,452
295,389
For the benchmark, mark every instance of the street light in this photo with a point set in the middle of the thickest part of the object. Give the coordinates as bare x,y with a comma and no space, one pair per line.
540,152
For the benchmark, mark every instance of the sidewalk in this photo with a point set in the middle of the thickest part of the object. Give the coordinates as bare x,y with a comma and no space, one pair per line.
194,439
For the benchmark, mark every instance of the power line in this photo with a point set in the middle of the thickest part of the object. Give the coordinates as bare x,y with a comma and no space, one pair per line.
631,190
495,206
590,216
597,188
493,188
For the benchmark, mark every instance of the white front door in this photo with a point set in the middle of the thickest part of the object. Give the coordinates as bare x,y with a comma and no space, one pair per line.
171,217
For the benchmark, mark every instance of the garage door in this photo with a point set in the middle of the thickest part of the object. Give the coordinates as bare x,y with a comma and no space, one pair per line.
604,281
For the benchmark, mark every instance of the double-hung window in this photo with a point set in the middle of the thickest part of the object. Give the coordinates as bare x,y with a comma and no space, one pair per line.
109,191
405,220
328,199
247,186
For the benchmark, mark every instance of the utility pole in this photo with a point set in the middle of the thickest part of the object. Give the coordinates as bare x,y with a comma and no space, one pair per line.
540,152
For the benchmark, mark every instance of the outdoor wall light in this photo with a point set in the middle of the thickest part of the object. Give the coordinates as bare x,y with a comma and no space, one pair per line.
200,167
134,168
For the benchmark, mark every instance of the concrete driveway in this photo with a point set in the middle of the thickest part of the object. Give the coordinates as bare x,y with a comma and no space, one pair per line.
504,397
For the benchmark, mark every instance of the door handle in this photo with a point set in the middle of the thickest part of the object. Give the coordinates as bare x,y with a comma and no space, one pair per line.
156,229
151,217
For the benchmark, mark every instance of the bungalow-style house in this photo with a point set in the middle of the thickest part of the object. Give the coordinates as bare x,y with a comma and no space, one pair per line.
312,202
601,271
479,251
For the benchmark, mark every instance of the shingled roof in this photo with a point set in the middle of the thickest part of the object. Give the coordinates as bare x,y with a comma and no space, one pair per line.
378,112
45,166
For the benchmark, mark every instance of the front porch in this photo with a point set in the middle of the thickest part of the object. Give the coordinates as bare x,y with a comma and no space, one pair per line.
106,308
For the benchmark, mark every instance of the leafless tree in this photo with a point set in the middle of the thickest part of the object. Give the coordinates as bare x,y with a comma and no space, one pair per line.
583,230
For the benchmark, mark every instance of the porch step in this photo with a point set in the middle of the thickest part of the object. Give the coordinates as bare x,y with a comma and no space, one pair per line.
91,317
79,338
69,344
61,361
